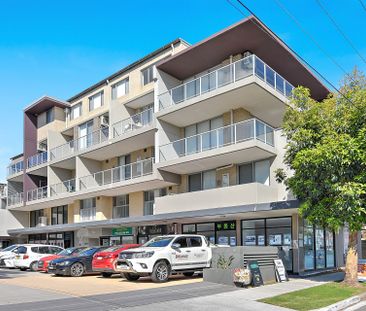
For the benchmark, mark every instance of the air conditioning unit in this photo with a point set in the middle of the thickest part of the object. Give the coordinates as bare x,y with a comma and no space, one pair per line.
104,121
42,221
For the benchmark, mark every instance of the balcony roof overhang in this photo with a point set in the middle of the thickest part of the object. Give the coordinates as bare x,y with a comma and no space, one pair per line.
45,103
251,35
197,215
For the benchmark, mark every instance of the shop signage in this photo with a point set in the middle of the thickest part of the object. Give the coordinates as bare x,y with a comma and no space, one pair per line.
153,230
226,225
281,274
257,279
122,231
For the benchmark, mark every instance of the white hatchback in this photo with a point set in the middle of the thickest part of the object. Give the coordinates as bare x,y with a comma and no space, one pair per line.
7,256
27,255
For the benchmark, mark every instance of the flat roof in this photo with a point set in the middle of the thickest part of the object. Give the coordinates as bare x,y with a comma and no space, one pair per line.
127,68
251,35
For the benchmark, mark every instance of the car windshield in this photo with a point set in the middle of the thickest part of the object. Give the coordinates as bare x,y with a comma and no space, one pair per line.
88,252
9,248
160,241
67,252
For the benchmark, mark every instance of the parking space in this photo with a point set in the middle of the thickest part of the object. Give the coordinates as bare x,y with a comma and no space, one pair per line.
86,285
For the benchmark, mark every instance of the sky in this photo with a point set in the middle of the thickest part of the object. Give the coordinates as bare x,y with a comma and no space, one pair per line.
59,48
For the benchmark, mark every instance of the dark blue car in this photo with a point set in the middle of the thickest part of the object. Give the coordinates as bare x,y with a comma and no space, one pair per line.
75,266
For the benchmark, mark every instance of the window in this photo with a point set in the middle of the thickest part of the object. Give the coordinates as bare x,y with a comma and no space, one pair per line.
195,241
253,232
55,250
34,217
149,197
255,172
120,89
121,206
147,75
88,203
202,181
59,215
43,250
50,116
96,101
76,111
182,242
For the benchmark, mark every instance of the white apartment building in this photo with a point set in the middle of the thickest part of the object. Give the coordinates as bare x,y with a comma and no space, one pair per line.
185,140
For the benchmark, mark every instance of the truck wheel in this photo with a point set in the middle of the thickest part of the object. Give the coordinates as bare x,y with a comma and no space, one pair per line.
106,274
160,272
77,269
33,266
131,276
23,269
188,273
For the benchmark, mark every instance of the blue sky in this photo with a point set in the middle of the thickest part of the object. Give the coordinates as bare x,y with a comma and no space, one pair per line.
60,48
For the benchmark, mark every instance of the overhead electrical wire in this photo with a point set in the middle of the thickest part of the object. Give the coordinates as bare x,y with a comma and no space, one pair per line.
362,4
293,51
340,30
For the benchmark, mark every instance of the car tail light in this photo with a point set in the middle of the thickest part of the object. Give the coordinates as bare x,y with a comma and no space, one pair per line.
25,256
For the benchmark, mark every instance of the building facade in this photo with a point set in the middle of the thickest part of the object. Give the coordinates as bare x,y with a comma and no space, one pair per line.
185,140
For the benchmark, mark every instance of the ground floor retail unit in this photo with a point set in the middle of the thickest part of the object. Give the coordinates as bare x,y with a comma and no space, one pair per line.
303,247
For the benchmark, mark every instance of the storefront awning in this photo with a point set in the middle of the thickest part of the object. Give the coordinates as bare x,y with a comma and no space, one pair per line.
161,218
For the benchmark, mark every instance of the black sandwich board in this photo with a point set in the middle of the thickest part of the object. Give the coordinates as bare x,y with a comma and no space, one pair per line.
257,279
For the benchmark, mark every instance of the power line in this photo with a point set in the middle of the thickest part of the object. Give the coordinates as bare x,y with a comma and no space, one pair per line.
293,51
362,4
340,30
283,8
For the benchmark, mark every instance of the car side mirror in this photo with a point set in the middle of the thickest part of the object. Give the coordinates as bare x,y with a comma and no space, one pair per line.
176,246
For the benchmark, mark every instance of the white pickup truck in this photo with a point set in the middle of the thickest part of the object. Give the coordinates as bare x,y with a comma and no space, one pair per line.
164,255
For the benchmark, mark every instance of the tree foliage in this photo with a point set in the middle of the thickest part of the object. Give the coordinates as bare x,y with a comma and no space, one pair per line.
326,153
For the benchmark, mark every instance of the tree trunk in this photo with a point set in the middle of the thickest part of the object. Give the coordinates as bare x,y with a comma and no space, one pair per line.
352,260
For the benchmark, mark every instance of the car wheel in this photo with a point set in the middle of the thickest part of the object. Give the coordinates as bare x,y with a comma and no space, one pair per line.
106,274
33,266
160,272
188,273
77,269
23,269
131,276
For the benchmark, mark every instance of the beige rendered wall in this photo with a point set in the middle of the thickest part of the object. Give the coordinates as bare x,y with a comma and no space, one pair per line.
136,203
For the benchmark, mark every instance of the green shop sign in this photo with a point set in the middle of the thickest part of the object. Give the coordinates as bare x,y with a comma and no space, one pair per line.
122,231
226,225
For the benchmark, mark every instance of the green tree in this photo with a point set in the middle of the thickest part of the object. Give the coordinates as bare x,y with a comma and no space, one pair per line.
326,155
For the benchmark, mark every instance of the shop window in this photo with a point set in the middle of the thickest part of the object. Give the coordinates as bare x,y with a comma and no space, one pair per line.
253,232
189,228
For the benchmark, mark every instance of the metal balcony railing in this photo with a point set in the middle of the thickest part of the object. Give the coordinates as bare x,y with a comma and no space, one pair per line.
14,199
133,123
15,168
37,159
67,186
37,194
117,174
218,138
82,143
88,214
243,68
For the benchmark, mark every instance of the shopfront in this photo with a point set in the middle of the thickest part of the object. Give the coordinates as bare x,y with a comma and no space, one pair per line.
120,235
222,233
62,239
319,247
270,232
145,233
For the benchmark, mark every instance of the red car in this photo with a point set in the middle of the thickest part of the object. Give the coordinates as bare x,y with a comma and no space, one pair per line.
43,262
104,262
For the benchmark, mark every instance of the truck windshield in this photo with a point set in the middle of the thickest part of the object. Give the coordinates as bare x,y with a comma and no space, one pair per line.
160,241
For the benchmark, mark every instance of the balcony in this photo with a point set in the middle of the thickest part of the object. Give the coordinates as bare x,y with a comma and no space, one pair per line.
80,144
67,186
133,123
239,142
117,175
37,194
248,83
15,168
88,214
231,196
15,199
37,159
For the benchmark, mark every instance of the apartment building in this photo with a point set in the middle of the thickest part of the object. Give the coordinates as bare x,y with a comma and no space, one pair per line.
185,140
